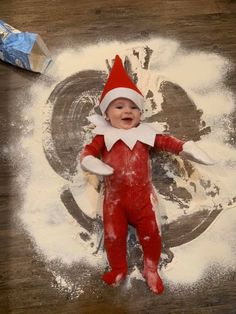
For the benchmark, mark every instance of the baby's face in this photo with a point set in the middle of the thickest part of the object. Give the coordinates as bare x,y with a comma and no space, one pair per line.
122,113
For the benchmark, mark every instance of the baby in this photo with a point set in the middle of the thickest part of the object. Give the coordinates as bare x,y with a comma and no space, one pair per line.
120,153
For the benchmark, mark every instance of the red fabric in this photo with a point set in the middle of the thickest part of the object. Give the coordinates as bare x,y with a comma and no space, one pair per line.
131,167
127,201
118,78
129,205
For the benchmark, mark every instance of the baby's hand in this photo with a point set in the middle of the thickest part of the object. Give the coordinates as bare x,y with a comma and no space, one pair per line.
95,165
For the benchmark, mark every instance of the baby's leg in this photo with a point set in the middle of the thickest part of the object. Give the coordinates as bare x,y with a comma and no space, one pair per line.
150,240
115,233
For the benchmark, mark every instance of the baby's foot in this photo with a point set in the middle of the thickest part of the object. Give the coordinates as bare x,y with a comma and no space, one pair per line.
114,278
154,281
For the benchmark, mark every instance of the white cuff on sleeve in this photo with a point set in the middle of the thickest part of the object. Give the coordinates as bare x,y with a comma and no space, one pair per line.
193,152
95,165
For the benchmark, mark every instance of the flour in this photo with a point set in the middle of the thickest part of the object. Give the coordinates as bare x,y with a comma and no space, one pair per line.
135,274
57,235
66,286
216,246
197,71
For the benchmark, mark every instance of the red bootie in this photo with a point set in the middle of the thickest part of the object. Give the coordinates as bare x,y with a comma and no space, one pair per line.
154,281
114,278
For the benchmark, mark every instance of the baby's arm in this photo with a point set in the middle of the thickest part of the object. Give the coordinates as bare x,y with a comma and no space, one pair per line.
189,149
89,160
169,144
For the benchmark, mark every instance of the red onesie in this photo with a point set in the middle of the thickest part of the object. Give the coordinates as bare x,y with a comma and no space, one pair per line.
127,198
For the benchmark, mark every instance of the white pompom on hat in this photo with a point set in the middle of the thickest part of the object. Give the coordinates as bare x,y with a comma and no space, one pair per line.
119,85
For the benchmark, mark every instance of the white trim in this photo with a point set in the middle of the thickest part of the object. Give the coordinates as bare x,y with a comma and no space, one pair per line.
123,92
145,133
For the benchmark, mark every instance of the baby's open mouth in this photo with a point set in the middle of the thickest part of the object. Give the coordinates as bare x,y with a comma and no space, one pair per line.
127,119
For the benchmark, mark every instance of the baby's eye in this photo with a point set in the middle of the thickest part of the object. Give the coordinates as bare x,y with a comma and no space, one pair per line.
119,107
134,107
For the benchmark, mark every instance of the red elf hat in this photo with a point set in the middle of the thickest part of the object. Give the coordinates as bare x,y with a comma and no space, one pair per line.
120,85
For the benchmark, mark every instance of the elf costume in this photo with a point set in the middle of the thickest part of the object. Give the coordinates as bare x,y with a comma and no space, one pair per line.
122,156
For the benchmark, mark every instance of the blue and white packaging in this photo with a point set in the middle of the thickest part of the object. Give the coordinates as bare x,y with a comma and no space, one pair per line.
23,49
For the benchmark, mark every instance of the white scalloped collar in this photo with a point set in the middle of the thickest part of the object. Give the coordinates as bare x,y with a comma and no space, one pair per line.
145,133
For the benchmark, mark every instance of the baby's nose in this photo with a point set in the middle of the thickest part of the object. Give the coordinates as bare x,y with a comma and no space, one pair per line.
128,110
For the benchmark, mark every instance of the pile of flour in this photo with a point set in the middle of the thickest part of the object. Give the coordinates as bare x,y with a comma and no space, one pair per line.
56,234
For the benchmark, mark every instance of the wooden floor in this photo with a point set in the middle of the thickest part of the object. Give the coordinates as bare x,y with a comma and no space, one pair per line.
207,25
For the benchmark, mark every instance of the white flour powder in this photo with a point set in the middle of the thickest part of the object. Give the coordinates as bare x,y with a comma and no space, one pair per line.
56,233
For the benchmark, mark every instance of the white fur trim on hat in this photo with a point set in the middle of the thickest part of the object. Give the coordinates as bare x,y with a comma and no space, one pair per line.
121,92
